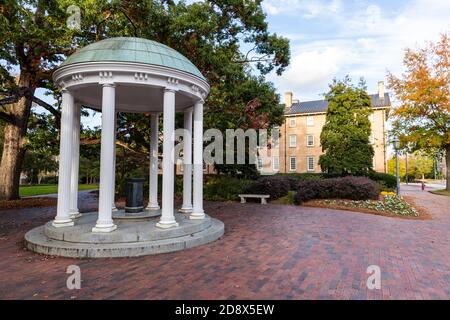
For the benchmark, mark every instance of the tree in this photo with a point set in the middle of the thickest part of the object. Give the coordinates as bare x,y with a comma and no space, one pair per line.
35,39
41,147
419,165
345,135
422,117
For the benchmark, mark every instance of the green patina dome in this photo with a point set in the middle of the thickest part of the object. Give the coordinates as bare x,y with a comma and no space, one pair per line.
137,50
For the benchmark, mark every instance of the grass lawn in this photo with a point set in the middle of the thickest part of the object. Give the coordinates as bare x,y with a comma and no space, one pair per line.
442,192
26,191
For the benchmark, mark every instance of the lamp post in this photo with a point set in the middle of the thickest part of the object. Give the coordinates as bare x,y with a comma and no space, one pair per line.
396,143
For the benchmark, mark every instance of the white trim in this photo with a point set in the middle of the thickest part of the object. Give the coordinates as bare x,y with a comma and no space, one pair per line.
95,73
300,114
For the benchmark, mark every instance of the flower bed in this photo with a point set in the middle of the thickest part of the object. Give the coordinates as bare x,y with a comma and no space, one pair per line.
390,204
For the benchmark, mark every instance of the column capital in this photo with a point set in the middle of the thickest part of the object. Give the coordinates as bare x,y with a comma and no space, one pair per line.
190,109
170,89
108,84
65,90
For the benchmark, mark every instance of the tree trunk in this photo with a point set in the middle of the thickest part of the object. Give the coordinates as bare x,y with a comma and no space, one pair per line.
14,141
447,165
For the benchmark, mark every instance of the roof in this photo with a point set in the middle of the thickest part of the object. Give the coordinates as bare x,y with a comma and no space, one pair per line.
320,106
137,50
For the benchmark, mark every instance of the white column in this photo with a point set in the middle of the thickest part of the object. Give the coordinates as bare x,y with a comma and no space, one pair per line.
187,162
113,205
197,211
62,218
74,213
167,217
105,222
153,175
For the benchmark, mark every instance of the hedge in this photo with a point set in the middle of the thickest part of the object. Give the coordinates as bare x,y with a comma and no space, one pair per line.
353,188
275,186
224,188
387,181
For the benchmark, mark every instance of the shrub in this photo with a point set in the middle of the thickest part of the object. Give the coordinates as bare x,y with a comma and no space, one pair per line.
387,181
224,188
275,186
354,188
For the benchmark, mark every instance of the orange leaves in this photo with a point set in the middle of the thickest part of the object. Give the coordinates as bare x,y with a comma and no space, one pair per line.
423,93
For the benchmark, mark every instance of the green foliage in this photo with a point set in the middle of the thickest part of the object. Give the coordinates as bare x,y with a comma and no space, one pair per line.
345,135
26,191
41,147
224,188
304,176
419,166
387,181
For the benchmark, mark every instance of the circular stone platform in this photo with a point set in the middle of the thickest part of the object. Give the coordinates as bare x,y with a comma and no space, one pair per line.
145,214
132,237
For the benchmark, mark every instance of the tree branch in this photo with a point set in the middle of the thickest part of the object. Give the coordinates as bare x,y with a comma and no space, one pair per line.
6,117
50,109
90,141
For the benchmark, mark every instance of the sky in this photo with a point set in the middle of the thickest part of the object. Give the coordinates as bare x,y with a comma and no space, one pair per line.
333,38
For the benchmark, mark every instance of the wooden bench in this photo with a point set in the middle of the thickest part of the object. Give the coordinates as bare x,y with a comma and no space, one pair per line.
263,197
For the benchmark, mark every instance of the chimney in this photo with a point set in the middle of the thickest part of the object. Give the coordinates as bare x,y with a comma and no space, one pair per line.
381,90
288,100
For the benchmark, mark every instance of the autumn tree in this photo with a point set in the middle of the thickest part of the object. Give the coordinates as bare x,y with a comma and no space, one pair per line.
346,133
419,165
422,117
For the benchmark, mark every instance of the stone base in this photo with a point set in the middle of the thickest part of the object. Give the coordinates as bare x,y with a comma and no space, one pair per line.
144,215
185,210
131,239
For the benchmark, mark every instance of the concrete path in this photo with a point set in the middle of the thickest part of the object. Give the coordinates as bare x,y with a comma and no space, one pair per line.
267,252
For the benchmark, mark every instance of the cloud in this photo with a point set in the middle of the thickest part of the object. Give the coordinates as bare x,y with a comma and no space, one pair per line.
305,8
365,41
311,70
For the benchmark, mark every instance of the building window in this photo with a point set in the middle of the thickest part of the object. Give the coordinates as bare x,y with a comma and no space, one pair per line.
310,121
293,163
260,164
275,137
276,163
310,163
292,122
372,138
310,140
293,141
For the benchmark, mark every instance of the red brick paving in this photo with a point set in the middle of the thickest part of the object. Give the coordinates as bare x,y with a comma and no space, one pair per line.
267,252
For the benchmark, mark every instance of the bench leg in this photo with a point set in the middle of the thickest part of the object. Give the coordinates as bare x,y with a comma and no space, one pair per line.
263,201
243,200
